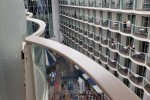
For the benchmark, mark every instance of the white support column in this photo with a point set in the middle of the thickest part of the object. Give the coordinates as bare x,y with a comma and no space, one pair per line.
55,15
29,74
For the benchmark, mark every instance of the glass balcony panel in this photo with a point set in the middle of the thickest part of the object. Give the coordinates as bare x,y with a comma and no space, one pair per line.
90,48
122,70
124,28
96,53
38,56
85,32
113,44
77,28
138,56
103,57
98,3
114,25
77,2
105,22
91,3
80,30
136,79
105,3
97,21
124,49
96,37
112,63
81,3
140,31
85,2
143,5
84,45
80,17
77,16
127,4
90,19
148,60
147,88
85,18
115,4
76,40
80,42
104,40
90,34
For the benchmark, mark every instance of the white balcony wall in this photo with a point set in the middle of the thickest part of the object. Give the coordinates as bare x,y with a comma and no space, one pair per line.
133,67
146,97
138,20
148,75
105,14
132,87
122,60
123,39
136,44
139,4
120,78
113,16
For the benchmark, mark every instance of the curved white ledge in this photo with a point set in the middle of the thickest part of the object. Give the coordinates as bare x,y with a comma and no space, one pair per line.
115,91
29,14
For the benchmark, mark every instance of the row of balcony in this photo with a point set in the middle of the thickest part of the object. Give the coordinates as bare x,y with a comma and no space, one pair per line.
126,72
143,5
128,51
137,31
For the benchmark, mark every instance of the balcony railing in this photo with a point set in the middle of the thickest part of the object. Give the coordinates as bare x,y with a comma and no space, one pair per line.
103,57
115,4
113,44
122,70
96,37
85,46
127,4
90,19
135,78
80,42
105,22
124,28
85,17
96,53
105,4
91,3
112,63
124,49
140,31
90,34
138,56
97,21
143,5
85,32
104,40
114,25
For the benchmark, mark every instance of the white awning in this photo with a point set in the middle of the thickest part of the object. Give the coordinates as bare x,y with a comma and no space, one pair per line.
97,89
85,76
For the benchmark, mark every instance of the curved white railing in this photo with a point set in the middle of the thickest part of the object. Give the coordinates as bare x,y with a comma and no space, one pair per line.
115,91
